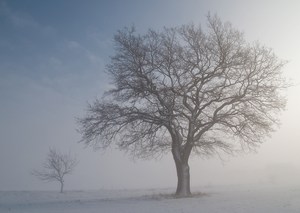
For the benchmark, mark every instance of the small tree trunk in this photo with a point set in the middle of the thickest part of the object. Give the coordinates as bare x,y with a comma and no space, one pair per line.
183,176
61,187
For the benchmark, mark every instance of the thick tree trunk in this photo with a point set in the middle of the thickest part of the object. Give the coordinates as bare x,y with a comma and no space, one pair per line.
183,181
183,176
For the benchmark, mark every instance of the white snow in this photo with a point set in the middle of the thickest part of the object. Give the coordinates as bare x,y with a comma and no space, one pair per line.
240,199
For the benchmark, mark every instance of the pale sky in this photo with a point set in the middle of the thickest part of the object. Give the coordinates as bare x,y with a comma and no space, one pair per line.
52,59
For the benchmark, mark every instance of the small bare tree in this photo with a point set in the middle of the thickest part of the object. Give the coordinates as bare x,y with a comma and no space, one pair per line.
184,90
55,167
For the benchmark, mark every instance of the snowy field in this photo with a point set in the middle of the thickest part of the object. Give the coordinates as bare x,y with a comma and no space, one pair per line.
240,199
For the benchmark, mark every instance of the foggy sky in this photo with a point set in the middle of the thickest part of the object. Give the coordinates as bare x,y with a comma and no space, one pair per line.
52,59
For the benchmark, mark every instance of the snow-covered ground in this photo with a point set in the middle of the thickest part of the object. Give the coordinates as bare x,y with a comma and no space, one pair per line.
240,199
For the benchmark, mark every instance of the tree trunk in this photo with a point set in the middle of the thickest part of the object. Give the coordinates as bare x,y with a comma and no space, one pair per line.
183,176
61,187
183,181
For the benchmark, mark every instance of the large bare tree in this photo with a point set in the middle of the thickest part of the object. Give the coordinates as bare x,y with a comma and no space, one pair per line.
56,166
187,90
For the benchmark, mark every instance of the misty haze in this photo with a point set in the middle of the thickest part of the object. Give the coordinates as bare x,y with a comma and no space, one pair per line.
160,106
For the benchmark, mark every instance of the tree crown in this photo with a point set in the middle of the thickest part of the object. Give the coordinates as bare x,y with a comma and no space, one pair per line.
200,91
